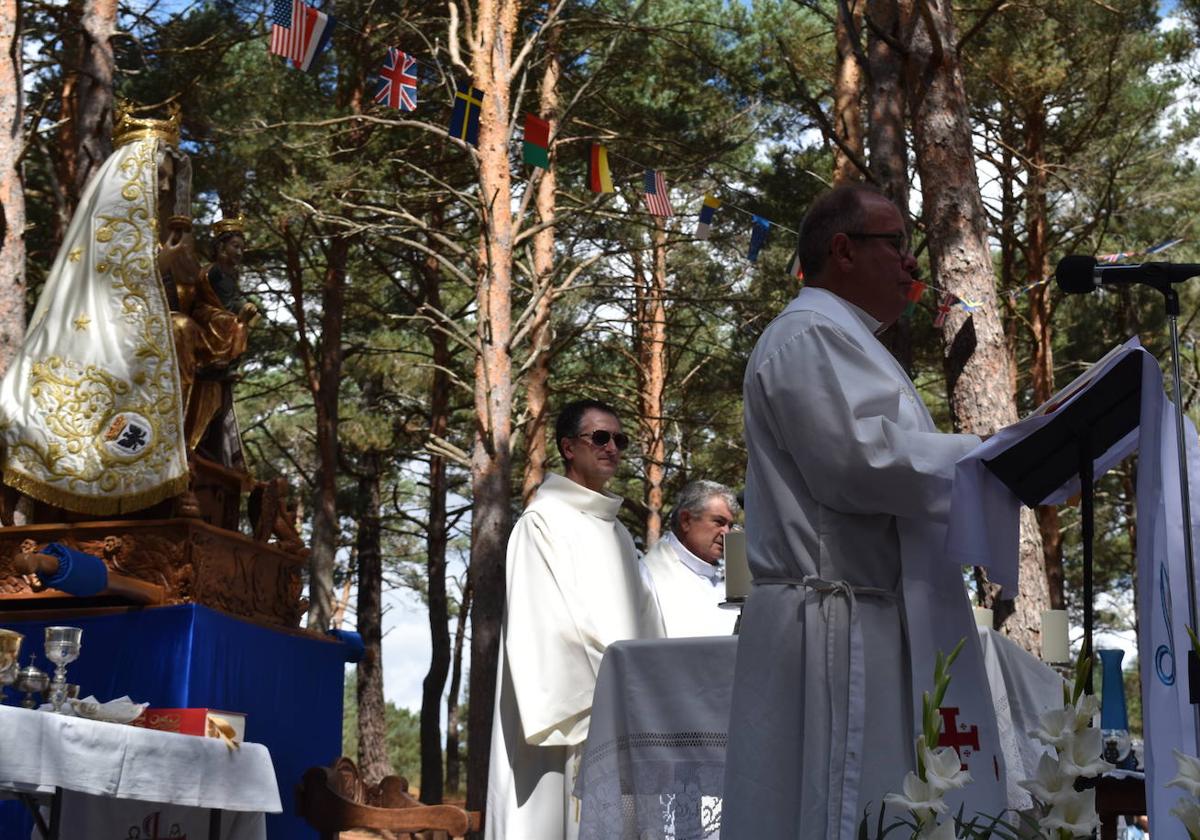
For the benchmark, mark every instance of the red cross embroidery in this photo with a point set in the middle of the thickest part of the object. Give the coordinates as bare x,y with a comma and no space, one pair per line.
964,739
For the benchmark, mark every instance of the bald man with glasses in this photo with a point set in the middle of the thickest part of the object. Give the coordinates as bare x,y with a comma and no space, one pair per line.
574,588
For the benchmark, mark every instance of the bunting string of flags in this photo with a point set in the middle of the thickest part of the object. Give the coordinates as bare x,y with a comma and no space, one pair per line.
300,34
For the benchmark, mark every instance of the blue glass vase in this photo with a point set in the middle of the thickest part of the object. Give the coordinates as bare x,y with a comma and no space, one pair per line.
1114,717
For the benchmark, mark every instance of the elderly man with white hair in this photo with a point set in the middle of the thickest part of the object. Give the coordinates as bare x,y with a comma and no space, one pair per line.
685,565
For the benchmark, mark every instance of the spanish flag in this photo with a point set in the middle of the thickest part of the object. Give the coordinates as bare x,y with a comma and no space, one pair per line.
599,176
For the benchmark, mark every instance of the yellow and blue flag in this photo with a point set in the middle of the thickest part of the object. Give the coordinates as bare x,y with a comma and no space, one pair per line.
707,210
464,120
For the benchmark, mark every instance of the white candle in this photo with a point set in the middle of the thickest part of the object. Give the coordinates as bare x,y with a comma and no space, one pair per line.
737,570
1055,646
984,617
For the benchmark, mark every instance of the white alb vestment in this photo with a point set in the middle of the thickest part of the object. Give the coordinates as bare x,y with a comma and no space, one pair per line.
574,588
90,405
688,590
847,494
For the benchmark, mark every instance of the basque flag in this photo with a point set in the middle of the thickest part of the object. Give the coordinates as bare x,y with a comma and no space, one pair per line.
299,32
758,237
398,81
657,200
464,119
707,210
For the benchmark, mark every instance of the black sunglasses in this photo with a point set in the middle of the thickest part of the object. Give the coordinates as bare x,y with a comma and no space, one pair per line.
600,438
899,241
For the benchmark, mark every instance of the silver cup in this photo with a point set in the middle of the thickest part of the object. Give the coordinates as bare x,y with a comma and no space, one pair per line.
62,648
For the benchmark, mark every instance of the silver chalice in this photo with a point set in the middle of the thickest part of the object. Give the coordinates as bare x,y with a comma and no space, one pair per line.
62,648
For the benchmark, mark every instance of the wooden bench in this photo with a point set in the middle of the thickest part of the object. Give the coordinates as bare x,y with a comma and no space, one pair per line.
335,799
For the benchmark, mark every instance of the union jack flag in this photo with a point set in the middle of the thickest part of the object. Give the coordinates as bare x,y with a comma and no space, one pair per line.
398,81
657,200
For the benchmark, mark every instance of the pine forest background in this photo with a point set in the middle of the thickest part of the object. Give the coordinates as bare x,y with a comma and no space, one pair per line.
427,305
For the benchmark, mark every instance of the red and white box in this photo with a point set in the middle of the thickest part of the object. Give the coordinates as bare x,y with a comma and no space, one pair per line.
193,722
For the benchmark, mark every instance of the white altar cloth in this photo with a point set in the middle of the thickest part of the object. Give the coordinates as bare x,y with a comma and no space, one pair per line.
41,751
653,765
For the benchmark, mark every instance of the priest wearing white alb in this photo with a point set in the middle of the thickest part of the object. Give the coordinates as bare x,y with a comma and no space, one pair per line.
847,494
685,564
573,588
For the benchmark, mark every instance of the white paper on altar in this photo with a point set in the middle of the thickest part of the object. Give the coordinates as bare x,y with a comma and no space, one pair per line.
984,531
86,816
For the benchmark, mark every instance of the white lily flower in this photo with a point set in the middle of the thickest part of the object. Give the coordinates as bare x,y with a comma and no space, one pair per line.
1082,756
943,769
944,831
1188,768
1188,811
1075,814
1051,784
1056,728
919,797
1086,709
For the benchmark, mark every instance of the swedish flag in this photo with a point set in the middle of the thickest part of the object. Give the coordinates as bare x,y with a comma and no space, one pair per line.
464,120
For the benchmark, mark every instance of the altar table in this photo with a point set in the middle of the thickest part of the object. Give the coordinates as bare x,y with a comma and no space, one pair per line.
91,770
653,766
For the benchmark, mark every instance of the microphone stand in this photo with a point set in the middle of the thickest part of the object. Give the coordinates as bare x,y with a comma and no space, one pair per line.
1172,306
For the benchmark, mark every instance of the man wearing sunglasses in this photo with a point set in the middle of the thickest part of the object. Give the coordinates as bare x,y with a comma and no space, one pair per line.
574,587
847,495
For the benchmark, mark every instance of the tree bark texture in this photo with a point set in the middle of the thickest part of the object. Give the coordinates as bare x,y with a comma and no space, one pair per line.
651,333
12,191
437,538
453,765
373,762
85,130
324,382
977,355
1041,322
491,462
847,95
541,335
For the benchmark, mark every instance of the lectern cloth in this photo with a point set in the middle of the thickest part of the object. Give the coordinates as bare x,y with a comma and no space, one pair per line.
848,487
90,404
985,532
41,751
574,587
688,591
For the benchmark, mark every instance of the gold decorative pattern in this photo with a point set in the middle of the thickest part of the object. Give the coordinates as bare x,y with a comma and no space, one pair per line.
67,462
75,254
127,128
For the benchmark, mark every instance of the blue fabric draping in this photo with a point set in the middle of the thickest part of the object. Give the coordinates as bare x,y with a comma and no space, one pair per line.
288,683
78,573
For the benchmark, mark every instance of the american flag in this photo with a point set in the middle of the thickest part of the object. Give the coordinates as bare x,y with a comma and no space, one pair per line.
657,200
398,81
287,40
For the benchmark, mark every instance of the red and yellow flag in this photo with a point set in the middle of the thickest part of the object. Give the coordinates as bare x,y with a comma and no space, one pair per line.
599,176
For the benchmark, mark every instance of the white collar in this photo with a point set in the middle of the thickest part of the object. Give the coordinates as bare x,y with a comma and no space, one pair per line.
713,572
873,326
604,505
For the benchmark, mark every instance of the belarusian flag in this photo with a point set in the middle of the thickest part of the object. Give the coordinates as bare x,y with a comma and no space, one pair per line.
537,142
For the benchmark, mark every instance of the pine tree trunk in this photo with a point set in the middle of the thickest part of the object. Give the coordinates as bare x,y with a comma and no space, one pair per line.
977,354
437,539
491,463
651,332
12,191
1041,323
85,133
886,137
373,761
453,765
328,374
541,335
847,95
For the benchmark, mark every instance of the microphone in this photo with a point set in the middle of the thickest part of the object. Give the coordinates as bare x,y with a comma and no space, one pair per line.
1080,274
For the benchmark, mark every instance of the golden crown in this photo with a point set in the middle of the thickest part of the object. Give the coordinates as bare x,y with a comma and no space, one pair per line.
127,128
235,225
